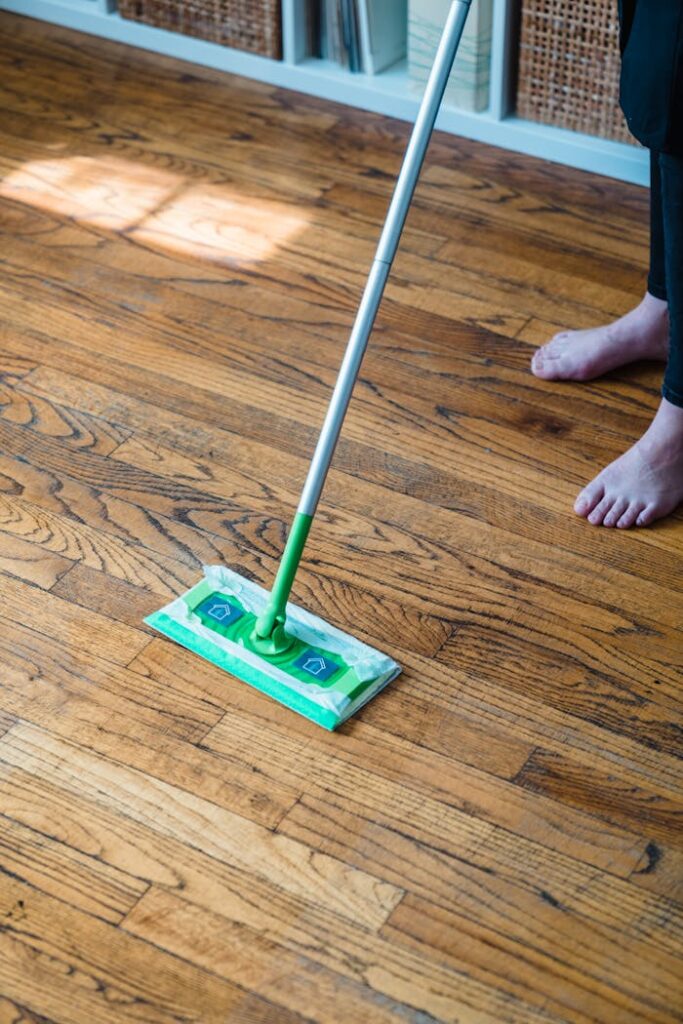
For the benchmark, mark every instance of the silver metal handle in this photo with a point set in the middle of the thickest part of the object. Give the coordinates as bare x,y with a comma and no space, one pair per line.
386,251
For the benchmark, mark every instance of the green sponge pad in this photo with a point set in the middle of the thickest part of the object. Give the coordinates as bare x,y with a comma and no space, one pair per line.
326,675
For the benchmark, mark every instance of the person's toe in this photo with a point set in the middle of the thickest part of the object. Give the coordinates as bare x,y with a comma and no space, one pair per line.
589,498
601,509
647,516
629,517
551,366
544,357
539,361
615,513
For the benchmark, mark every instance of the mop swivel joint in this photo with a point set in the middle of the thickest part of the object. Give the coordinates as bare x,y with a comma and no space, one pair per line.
269,636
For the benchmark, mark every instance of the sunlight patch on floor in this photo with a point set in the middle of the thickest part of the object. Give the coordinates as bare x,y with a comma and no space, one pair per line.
106,192
159,208
216,223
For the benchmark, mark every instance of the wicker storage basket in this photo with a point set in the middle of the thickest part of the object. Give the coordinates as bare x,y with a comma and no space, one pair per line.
569,66
254,25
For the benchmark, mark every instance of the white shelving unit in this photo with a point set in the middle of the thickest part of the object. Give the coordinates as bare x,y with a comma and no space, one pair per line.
388,93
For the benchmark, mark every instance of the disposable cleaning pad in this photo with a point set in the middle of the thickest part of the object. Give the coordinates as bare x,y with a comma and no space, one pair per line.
325,675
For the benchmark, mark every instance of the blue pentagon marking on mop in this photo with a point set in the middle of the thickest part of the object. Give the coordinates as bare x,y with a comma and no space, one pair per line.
220,610
313,664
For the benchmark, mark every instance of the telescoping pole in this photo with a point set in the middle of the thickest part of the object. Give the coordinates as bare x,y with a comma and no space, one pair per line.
274,615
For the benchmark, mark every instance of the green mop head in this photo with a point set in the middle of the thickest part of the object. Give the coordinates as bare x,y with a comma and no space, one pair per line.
326,675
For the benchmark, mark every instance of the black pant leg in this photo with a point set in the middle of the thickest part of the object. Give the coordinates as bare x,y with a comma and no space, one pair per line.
671,168
656,281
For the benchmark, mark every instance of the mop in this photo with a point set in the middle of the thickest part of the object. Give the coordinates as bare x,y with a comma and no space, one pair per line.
283,650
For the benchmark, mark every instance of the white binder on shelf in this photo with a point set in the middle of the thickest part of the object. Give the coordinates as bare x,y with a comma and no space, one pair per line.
383,26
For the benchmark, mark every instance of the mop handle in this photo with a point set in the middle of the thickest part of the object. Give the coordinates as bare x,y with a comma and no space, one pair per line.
386,251
367,312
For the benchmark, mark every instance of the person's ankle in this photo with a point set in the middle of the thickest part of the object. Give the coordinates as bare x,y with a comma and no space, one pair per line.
664,436
654,308
670,417
655,301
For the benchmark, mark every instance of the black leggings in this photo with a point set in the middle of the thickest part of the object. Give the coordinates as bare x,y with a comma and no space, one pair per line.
665,280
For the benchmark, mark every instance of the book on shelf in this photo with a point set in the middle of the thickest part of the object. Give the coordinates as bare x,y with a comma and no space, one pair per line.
331,45
350,39
468,86
365,36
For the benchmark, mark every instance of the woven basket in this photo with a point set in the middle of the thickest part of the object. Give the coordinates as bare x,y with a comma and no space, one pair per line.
254,25
569,66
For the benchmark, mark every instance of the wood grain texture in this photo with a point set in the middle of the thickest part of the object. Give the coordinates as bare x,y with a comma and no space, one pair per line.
56,868
496,839
68,964
222,834
30,563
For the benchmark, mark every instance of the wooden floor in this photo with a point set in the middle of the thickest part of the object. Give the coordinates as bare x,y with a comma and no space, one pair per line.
497,837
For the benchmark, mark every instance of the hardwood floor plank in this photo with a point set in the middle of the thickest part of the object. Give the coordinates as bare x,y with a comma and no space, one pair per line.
84,629
656,813
382,995
161,99
599,657
530,237
266,910
661,871
14,368
53,867
223,446
477,293
13,1013
46,418
477,793
248,301
217,468
211,477
355,156
100,827
433,820
104,547
202,824
452,185
468,385
314,307
606,992
533,719
457,715
6,721
92,588
27,562
60,962
526,911
631,709
458,451
164,680
433,692
121,715
456,537
344,126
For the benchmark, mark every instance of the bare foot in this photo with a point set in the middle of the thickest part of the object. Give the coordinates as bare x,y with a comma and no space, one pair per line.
644,484
581,355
